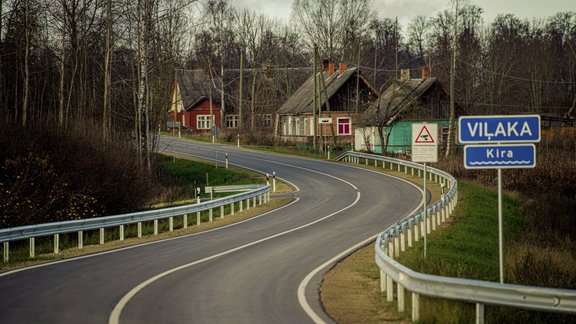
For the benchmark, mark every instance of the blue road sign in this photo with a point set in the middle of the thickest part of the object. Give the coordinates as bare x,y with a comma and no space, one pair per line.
499,156
499,129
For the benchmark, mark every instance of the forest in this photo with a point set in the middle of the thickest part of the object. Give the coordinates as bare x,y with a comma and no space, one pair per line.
100,71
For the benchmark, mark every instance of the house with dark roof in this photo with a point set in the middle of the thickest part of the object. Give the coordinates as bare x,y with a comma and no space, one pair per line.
387,123
340,96
196,99
196,102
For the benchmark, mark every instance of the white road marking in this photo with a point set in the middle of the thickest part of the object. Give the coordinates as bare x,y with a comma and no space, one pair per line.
117,311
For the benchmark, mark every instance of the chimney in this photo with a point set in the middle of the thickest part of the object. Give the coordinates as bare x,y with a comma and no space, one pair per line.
425,72
342,67
330,69
404,75
325,65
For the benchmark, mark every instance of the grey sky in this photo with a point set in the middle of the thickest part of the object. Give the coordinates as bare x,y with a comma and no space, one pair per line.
405,10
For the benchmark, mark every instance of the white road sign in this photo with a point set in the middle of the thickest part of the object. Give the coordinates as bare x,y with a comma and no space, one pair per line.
425,142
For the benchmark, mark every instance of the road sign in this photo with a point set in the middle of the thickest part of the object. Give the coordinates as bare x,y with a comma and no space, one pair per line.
499,129
499,156
424,142
325,120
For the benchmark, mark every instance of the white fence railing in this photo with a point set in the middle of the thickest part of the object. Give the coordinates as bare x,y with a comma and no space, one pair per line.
395,239
258,196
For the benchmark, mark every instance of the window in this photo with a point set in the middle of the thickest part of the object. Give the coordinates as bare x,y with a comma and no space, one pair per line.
203,122
344,126
232,121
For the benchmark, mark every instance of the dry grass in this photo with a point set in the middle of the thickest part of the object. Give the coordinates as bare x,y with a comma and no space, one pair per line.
350,292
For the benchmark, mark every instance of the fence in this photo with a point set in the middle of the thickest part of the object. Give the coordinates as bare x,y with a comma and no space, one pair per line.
395,239
257,196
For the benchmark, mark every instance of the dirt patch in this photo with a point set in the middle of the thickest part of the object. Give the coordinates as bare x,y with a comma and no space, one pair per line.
350,292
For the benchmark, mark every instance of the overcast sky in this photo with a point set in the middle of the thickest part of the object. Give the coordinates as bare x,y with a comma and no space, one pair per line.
405,10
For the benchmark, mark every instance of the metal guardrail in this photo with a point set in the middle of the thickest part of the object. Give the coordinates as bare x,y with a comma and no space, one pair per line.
232,188
395,238
262,194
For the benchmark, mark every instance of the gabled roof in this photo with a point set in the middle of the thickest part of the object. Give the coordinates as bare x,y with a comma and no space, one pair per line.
404,94
302,99
194,87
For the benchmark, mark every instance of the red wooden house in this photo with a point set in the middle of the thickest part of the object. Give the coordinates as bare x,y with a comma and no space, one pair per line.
190,103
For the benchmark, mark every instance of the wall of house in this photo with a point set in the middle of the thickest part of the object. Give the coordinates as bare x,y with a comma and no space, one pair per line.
400,140
202,108
299,129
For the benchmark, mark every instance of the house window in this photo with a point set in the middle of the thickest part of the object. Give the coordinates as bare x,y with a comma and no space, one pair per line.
344,126
232,121
444,134
266,120
203,122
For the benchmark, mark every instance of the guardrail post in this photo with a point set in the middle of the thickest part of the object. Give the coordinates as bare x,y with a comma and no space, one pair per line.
171,223
480,313
402,242
241,205
231,208
6,252
391,166
389,289
102,236
185,221
155,227
401,302
32,247
254,204
433,219
121,232
416,236
247,203
396,245
366,160
405,169
56,243
210,215
198,218
398,167
274,181
415,307
409,235
412,171
139,229
382,281
222,211
427,223
422,226
80,240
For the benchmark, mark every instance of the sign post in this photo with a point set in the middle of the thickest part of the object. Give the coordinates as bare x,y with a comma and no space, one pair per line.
499,130
425,149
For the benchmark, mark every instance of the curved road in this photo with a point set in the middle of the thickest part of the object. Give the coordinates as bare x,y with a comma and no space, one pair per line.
264,270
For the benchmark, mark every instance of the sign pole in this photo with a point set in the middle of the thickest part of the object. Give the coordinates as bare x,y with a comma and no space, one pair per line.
500,228
425,214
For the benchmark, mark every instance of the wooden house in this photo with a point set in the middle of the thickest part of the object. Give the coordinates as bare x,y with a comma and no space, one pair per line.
341,95
406,101
191,95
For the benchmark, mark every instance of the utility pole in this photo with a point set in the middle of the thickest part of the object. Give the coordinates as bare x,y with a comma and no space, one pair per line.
449,142
315,126
240,93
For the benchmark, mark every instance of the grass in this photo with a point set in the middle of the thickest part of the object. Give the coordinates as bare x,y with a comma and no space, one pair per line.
467,248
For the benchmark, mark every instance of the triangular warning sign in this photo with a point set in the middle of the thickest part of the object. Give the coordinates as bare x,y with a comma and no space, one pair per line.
424,137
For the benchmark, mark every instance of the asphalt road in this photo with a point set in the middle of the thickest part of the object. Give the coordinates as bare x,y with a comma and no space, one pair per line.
265,270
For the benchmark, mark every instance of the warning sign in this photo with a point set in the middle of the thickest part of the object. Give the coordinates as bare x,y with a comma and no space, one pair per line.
424,144
424,137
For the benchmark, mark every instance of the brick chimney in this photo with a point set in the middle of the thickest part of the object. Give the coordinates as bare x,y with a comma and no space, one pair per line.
404,75
342,67
330,69
425,72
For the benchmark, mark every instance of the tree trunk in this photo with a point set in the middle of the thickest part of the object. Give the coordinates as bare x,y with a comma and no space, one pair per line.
26,65
107,76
